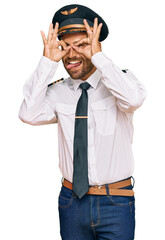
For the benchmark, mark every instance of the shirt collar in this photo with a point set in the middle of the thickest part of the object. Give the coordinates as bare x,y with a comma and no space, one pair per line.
93,80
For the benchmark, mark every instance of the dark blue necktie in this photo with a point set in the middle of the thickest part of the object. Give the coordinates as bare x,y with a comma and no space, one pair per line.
80,157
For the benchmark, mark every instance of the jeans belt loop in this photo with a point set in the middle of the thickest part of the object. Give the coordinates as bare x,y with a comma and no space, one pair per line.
62,179
107,188
133,181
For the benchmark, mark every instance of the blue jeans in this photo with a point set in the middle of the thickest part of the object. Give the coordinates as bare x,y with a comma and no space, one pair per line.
96,217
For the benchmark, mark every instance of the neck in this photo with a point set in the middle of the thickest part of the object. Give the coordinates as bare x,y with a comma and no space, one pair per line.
89,74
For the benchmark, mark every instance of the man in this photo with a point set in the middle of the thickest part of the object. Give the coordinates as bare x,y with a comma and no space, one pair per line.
94,110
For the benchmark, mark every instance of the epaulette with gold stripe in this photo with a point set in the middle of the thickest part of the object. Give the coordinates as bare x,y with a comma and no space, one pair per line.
61,79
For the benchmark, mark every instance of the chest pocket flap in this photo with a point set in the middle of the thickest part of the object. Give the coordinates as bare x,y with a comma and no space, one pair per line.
104,103
104,113
66,116
65,109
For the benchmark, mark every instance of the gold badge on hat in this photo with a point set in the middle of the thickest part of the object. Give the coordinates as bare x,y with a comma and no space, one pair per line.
70,11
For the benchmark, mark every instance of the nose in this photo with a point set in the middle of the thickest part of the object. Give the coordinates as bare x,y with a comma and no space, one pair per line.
72,53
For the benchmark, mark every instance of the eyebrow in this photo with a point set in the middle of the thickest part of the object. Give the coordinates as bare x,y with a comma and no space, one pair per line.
69,44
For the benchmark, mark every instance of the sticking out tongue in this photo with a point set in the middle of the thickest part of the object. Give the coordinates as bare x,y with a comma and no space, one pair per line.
69,66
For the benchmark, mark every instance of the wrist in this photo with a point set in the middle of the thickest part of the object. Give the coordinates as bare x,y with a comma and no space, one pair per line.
94,52
51,59
96,48
100,60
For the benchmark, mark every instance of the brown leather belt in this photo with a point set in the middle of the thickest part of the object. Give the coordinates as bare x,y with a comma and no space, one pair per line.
114,188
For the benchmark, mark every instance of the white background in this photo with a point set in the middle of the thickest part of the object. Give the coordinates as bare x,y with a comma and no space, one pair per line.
30,179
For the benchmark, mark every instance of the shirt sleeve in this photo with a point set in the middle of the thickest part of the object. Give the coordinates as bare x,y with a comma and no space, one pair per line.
130,92
36,108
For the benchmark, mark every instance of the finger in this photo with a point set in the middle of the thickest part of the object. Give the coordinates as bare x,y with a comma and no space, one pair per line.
50,32
55,30
98,31
95,26
84,40
64,52
43,37
86,52
89,31
63,44
77,49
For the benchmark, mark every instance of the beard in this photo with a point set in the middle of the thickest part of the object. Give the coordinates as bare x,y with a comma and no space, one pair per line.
84,69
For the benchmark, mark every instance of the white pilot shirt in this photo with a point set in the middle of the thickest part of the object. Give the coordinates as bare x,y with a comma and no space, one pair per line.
112,99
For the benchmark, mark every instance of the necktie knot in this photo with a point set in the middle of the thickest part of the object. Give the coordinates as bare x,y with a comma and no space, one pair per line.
84,86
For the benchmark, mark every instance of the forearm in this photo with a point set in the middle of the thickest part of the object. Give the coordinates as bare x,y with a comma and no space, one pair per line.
130,92
35,108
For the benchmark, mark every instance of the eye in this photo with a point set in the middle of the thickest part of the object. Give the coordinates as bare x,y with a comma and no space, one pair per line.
81,45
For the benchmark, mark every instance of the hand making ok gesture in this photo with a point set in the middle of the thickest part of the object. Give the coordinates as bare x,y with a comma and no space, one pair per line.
90,45
51,45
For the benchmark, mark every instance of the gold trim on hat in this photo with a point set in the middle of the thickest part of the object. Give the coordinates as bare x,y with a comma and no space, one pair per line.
70,11
73,26
73,30
62,31
77,29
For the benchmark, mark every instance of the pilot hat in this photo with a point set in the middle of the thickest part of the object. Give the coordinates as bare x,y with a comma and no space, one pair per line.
70,19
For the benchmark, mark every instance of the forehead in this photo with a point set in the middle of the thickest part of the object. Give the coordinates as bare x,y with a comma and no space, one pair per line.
73,37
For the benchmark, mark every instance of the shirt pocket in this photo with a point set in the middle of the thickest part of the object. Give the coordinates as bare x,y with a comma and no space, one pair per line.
66,119
104,113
